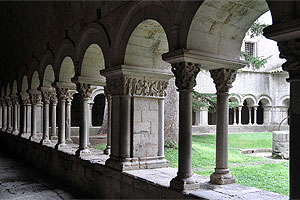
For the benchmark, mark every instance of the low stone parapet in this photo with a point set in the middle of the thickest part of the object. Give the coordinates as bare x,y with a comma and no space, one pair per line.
280,145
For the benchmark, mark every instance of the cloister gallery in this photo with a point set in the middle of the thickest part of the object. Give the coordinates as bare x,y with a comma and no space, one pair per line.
141,55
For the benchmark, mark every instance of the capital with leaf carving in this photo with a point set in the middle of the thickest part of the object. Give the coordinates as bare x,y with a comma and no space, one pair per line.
84,90
185,74
223,79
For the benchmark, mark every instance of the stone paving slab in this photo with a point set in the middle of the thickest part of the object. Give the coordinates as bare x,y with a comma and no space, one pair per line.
21,181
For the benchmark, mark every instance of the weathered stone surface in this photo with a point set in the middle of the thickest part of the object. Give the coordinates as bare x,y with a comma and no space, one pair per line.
280,145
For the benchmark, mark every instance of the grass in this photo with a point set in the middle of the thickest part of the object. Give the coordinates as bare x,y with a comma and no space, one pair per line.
100,146
272,177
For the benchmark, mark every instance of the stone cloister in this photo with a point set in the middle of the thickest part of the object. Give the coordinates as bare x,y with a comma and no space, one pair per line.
140,53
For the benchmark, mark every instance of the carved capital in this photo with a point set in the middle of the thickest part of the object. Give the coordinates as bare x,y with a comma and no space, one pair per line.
62,93
53,99
36,99
290,50
84,90
15,101
3,102
140,86
223,79
25,100
47,97
185,74
8,102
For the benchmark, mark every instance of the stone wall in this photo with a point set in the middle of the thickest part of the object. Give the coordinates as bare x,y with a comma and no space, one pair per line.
280,145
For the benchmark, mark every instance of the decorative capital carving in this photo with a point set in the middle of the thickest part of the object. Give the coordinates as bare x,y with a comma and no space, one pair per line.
47,97
15,100
62,93
2,101
25,100
36,99
290,50
8,102
185,74
53,99
223,79
84,90
141,86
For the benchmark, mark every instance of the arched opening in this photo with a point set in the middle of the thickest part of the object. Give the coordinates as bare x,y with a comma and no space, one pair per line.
75,114
98,110
35,81
260,113
67,71
248,111
15,88
24,84
48,77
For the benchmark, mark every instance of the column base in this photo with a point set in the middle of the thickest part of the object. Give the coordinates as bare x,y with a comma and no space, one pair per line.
221,177
33,137
69,141
3,129
107,150
81,152
153,162
15,132
182,184
9,130
234,124
45,141
57,146
122,164
25,135
53,137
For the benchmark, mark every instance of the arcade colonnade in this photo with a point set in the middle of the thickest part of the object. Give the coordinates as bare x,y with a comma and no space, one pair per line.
136,60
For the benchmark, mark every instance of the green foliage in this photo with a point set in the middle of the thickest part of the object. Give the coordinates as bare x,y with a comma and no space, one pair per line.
208,100
257,29
255,62
171,144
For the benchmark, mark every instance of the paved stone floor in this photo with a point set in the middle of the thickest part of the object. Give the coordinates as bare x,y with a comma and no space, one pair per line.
19,180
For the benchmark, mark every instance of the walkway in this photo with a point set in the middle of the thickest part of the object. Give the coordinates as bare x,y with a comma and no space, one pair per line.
21,181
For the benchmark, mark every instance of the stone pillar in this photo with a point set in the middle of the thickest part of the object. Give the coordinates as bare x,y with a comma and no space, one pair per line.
9,114
255,115
250,116
85,92
4,115
90,114
36,100
19,117
108,137
46,102
161,127
223,79
68,118
240,115
15,102
234,116
53,100
1,119
25,101
28,122
62,95
185,74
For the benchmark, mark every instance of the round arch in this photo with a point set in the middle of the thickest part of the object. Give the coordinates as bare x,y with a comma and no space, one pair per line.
48,77
14,88
35,81
24,86
67,70
46,61
218,27
138,13
265,100
7,92
250,99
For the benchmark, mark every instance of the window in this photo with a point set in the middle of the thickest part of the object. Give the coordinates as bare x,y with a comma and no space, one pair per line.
250,48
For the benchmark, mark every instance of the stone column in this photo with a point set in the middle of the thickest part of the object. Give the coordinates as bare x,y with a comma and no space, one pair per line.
90,114
234,116
28,122
46,102
19,117
62,95
185,74
36,100
161,127
15,102
85,92
108,137
240,115
68,118
25,101
223,79
1,119
53,100
250,116
255,115
4,115
9,122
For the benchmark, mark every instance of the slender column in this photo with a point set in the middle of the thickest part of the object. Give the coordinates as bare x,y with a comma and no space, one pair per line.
28,123
108,137
19,118
161,125
223,79
234,116
25,102
68,119
9,105
185,74
4,116
62,95
249,109
90,114
53,117
46,102
240,115
15,120
85,93
255,115
1,125
36,100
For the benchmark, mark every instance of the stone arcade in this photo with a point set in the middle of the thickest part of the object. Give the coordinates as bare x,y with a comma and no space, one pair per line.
141,52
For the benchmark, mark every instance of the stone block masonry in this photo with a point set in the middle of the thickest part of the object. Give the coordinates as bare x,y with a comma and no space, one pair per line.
280,145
